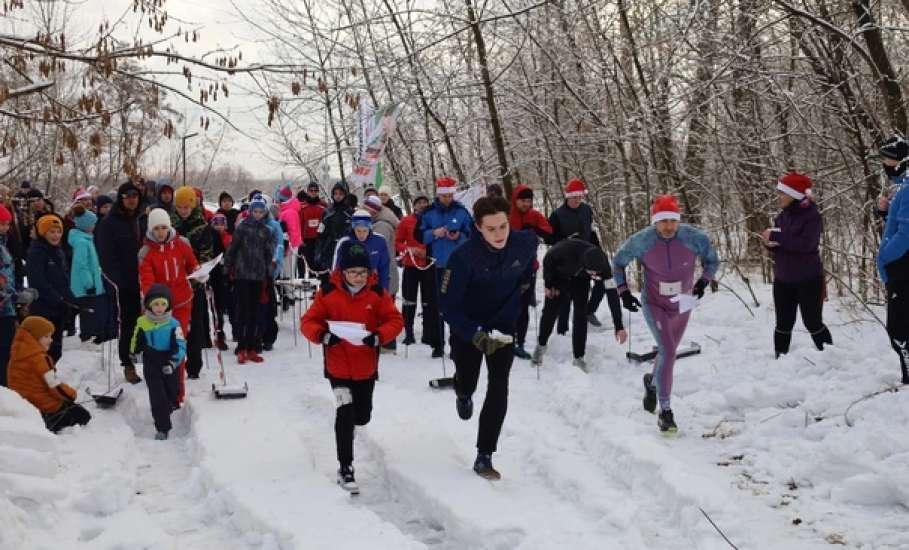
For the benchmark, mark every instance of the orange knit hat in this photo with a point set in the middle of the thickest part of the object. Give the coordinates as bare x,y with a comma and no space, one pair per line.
47,222
185,196
37,326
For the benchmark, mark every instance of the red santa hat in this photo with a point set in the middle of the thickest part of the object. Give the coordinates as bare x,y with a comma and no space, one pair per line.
575,188
795,185
665,207
446,186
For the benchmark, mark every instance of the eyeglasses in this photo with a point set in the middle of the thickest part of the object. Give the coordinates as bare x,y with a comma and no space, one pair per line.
356,272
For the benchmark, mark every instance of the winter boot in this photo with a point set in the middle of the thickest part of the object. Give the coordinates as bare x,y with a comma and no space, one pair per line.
464,406
437,352
483,467
594,322
520,352
409,340
221,341
781,342
580,363
650,397
129,372
241,357
254,356
161,436
347,481
538,354
666,422
821,337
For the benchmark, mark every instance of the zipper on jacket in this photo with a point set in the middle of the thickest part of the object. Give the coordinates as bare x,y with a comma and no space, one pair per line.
668,255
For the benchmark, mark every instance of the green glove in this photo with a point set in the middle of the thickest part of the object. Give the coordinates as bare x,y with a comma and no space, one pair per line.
483,342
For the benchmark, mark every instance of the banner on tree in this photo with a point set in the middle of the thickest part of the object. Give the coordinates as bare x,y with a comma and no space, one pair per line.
376,125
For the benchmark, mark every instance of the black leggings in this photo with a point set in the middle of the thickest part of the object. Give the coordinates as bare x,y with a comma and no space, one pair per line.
528,300
353,400
467,359
576,293
247,293
898,323
807,297
417,281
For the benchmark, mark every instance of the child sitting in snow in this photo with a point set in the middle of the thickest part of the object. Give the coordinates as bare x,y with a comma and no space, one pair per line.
160,340
352,294
32,375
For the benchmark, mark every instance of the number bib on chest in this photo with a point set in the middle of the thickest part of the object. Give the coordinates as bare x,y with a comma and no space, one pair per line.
670,288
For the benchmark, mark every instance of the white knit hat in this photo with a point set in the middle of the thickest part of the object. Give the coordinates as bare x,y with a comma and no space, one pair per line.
157,217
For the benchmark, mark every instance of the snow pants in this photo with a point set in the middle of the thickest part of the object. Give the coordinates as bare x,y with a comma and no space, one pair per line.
353,399
422,282
667,328
162,388
127,313
198,336
528,300
467,360
575,293
898,322
807,297
69,414
182,314
247,293
7,331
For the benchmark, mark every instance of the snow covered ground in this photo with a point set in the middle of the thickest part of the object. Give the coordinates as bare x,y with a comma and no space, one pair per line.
764,450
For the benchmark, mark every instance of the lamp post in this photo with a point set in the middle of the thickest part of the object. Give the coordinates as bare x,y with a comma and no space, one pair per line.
183,139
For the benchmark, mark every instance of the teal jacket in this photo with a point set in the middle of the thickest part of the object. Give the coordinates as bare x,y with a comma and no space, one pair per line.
159,341
7,281
85,273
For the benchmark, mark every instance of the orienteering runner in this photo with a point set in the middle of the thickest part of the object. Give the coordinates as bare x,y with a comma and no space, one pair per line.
667,250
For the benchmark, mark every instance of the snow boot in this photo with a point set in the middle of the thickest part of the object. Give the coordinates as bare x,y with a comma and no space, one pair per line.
254,356
821,337
483,467
594,322
221,341
538,354
241,357
346,480
650,397
781,342
437,352
129,372
580,363
520,352
161,436
666,422
464,406
409,340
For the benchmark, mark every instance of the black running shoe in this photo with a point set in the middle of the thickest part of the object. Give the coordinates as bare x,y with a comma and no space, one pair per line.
483,467
650,397
666,422
465,407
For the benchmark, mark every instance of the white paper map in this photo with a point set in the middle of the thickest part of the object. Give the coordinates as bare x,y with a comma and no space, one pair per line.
205,269
348,330
686,302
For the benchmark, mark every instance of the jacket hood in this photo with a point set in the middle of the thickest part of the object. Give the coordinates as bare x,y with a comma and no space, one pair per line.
25,345
150,237
161,186
386,215
514,194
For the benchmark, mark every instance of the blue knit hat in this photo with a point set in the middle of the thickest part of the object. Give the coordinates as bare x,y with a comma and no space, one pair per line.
258,202
361,218
86,221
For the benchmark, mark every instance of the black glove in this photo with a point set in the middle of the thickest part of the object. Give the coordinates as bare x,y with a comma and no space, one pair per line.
372,340
629,302
699,287
329,339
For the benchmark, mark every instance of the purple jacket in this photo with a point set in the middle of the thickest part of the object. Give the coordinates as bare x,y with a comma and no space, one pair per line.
799,235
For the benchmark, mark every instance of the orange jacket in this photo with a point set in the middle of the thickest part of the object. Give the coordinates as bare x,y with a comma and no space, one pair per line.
29,371
372,306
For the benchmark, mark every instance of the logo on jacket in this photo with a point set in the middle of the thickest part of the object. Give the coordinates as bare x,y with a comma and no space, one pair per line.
517,263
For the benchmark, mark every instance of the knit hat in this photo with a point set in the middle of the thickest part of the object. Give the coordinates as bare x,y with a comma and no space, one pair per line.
312,185
5,215
83,218
419,198
446,186
369,190
92,189
795,185
353,254
164,184
225,195
79,192
594,259
158,292
128,187
37,326
46,222
284,193
159,216
219,219
103,200
524,192
25,185
361,218
575,188
84,195
185,197
258,201
665,207
373,204
35,194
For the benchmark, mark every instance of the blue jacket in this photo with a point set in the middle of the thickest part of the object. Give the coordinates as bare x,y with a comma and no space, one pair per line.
438,216
49,275
892,259
378,255
85,273
278,256
159,342
7,281
481,288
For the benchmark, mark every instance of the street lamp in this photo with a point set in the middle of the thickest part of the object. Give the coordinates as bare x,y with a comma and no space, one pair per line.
183,139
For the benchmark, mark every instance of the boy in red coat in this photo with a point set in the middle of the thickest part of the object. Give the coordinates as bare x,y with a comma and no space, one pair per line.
353,294
166,258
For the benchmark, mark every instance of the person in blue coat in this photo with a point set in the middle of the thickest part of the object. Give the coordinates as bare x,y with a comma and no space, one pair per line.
49,275
361,230
7,292
443,226
893,254
86,282
481,296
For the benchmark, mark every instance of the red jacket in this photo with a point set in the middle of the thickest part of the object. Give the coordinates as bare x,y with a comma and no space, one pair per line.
372,306
404,239
310,218
531,220
168,263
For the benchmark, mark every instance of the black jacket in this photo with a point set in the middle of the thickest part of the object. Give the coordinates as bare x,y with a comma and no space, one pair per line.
563,262
566,221
231,215
250,253
118,240
335,224
48,273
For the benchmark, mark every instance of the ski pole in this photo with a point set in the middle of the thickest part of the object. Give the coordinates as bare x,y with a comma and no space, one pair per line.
308,343
536,325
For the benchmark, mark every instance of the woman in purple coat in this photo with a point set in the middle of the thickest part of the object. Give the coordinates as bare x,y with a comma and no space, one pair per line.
798,276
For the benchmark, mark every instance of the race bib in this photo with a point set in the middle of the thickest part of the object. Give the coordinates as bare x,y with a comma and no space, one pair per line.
313,223
670,288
